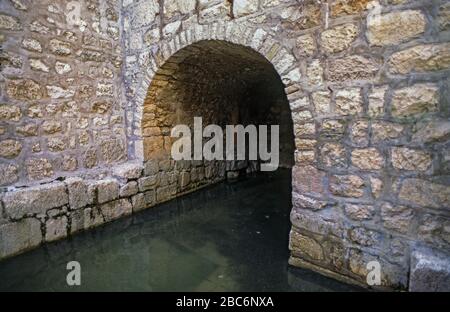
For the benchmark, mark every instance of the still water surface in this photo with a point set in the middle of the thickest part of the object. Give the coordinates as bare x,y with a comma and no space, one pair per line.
228,237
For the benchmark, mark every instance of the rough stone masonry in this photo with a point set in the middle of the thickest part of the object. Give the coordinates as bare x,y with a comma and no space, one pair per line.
90,88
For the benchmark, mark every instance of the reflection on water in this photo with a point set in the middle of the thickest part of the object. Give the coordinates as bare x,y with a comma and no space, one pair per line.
228,237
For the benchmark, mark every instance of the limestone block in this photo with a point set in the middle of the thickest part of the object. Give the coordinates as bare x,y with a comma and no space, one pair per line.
304,245
338,38
425,193
347,185
128,171
395,27
397,218
244,7
35,200
415,100
116,209
367,159
353,67
421,58
107,190
55,228
80,195
410,159
19,236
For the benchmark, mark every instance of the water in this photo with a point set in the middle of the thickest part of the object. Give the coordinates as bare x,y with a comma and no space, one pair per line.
227,237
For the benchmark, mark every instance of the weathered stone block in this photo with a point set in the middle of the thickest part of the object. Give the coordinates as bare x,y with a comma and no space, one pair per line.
244,7
367,159
57,92
332,127
321,100
385,131
9,22
35,200
376,186
347,185
294,19
32,45
83,219
301,116
444,16
60,48
425,193
176,7
314,73
24,89
305,144
145,13
376,101
19,236
9,112
395,27
62,68
306,45
220,11
338,38
434,230
116,209
80,195
38,65
51,126
8,174
348,7
363,236
39,168
138,202
415,100
147,183
410,159
112,150
305,129
165,193
129,171
421,58
353,67
333,155
349,101
303,245
128,189
359,133
307,179
433,131
397,218
300,202
305,157
359,211
107,190
55,228
10,148
323,222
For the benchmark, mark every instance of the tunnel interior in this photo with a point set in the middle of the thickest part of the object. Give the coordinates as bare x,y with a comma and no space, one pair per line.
224,84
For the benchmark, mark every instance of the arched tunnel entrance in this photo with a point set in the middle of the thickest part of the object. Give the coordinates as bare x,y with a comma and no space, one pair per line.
224,84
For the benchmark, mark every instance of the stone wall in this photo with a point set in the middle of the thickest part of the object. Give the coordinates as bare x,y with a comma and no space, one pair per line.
366,83
61,101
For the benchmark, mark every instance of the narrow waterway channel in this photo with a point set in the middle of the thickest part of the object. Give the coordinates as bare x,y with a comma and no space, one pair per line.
228,237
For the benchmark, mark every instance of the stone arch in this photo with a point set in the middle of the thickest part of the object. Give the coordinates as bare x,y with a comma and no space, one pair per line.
256,39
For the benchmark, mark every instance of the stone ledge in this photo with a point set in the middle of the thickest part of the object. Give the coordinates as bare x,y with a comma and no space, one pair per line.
37,214
35,200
